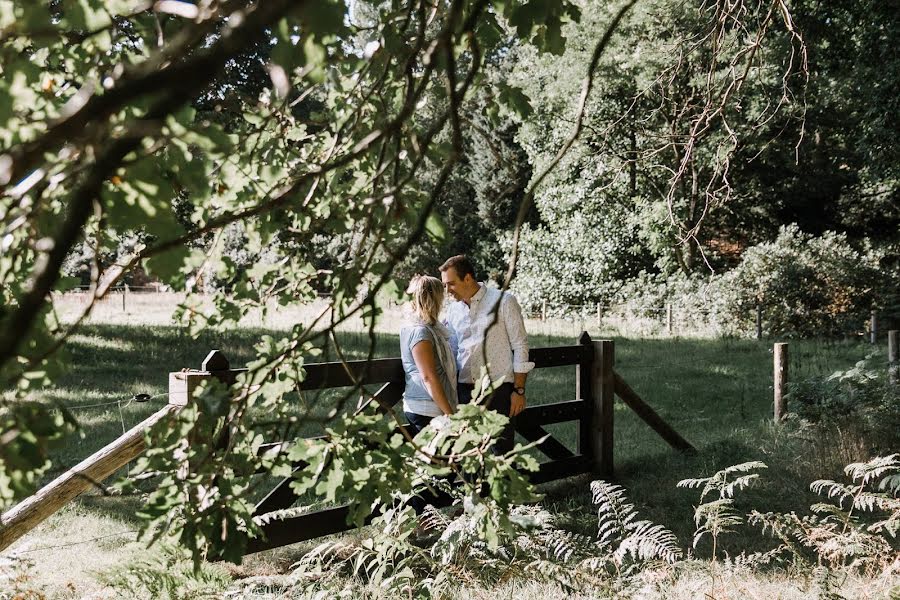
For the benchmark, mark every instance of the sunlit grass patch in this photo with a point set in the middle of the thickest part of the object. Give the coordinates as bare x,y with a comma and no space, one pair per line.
100,342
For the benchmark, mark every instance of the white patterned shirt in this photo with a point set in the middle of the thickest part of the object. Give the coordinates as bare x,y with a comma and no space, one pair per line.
506,341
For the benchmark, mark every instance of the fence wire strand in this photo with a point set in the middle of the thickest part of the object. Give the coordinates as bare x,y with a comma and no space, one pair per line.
70,544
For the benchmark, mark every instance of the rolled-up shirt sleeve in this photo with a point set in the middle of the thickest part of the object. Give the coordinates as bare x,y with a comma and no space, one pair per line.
518,338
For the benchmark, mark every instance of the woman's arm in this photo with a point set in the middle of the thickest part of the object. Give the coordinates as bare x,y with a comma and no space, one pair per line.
423,355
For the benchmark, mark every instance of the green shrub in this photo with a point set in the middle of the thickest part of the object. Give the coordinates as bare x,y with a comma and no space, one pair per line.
858,399
807,285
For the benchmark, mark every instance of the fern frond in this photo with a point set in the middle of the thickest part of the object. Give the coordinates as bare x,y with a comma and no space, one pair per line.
715,518
891,484
649,541
872,501
833,489
720,481
718,511
740,483
693,483
889,526
874,468
614,513
432,518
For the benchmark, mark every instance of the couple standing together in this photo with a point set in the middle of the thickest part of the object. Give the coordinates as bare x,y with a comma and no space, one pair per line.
443,358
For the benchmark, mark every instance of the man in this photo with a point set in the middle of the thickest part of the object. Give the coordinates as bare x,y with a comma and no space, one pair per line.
487,323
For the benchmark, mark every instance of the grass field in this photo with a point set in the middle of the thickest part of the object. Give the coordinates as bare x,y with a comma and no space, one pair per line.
716,392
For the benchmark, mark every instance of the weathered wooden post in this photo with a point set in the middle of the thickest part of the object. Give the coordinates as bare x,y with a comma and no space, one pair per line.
781,379
26,515
183,385
893,358
669,317
29,513
124,292
873,328
544,311
603,392
595,384
599,315
759,321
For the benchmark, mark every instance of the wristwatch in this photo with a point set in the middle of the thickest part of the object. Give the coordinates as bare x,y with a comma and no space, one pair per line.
519,390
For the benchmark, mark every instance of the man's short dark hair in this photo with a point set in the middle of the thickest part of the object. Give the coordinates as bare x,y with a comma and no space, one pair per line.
461,264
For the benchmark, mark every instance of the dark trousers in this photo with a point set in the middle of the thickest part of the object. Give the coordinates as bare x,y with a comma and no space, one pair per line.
416,422
497,401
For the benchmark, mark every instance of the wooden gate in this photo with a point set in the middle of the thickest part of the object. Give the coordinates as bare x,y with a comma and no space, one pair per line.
597,385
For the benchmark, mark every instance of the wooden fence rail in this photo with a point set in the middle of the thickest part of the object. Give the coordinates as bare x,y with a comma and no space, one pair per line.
597,384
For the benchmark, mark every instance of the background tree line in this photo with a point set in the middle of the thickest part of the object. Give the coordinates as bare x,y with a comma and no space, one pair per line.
807,141
798,143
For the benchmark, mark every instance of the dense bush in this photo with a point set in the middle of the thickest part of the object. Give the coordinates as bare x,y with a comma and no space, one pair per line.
806,285
860,401
579,258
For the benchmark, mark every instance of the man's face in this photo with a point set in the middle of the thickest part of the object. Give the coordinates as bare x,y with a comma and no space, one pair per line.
459,289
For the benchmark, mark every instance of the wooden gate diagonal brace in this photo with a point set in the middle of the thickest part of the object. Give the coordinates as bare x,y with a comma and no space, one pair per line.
651,417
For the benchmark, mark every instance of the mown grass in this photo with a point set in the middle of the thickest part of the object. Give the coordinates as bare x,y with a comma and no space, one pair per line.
716,392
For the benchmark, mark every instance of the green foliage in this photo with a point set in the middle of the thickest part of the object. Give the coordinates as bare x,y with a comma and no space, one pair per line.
30,431
165,571
718,517
578,259
839,534
230,149
360,461
272,151
808,285
654,181
200,494
805,285
860,398
631,542
365,463
531,546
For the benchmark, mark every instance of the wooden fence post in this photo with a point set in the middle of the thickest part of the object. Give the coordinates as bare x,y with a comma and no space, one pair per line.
873,328
781,379
91,471
758,321
583,392
544,311
30,512
669,317
603,391
599,315
893,358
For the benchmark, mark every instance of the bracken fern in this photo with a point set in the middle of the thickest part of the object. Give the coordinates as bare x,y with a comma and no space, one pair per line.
836,534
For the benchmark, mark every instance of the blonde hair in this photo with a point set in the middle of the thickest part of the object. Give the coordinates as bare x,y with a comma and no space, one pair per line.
427,297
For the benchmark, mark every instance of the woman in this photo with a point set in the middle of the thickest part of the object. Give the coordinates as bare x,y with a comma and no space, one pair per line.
428,362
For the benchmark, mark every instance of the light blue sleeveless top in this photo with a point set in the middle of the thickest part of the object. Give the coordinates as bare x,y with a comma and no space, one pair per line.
415,397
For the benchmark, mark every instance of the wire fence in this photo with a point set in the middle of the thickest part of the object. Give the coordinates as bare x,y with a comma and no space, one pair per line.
632,318
693,319
78,543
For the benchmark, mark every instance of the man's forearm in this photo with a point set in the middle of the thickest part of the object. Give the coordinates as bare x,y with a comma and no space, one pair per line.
519,379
